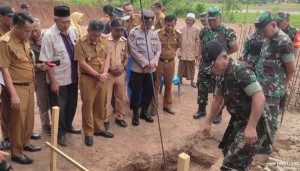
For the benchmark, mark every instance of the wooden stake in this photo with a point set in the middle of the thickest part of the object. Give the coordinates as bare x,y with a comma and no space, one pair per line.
54,132
183,162
77,165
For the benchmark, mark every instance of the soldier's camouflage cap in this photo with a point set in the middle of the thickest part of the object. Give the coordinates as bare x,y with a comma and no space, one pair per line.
203,16
263,20
282,15
210,53
214,12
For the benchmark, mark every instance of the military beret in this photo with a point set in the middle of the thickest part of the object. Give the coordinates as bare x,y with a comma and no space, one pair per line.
214,12
263,20
282,15
62,11
203,16
210,53
7,10
148,15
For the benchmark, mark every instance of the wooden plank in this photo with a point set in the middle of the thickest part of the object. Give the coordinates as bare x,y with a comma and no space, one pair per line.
54,132
76,164
183,162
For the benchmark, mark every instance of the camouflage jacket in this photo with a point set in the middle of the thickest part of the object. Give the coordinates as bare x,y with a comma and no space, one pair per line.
237,85
290,31
251,49
270,68
226,36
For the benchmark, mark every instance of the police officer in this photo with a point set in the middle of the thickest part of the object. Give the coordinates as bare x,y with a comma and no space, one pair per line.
275,68
92,55
18,96
171,41
6,22
242,95
206,79
251,49
118,54
134,20
143,67
283,19
204,19
159,16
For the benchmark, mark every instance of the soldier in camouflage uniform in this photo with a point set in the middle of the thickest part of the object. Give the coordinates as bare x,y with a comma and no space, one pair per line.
242,95
275,68
206,79
283,23
251,49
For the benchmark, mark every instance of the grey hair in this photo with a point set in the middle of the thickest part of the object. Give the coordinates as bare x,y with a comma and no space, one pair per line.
95,25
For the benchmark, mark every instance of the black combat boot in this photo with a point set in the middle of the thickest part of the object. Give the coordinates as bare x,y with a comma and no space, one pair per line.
144,115
135,118
201,111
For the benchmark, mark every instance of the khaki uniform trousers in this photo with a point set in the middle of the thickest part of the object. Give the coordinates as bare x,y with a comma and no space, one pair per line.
118,85
93,105
167,70
4,115
21,121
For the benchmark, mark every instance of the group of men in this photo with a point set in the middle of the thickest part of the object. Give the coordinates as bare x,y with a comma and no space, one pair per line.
49,59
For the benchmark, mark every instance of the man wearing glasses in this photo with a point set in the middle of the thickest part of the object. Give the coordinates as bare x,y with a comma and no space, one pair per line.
227,37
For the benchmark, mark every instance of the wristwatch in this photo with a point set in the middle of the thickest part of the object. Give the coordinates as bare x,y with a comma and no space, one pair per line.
98,76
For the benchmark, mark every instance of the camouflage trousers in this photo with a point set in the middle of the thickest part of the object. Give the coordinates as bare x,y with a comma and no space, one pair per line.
238,155
206,83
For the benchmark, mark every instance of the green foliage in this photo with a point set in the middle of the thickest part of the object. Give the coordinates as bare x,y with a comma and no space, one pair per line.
183,8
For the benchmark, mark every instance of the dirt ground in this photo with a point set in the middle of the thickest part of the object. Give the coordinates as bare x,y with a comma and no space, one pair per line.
139,148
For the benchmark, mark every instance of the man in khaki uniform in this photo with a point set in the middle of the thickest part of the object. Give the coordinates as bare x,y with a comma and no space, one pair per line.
134,20
6,22
92,55
159,16
170,40
118,54
18,96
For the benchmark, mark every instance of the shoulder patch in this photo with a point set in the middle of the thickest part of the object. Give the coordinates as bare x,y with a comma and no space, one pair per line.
6,39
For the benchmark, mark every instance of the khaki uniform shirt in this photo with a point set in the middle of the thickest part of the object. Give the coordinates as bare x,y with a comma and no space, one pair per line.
169,44
132,22
1,77
159,21
15,55
117,51
189,48
138,47
94,54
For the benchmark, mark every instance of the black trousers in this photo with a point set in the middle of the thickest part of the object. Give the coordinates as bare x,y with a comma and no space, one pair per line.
67,102
137,83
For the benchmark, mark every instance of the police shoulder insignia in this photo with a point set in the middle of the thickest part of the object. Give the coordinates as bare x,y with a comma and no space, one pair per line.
6,39
131,37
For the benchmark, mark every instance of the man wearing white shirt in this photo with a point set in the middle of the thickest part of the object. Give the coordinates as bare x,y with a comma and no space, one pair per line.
58,47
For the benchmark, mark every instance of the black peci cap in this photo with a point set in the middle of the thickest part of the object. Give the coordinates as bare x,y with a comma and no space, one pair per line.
7,10
61,11
118,24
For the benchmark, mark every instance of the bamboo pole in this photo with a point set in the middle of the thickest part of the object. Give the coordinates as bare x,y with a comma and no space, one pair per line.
54,132
76,164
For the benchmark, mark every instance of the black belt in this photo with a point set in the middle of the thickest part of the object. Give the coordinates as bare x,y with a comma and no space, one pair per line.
21,84
168,60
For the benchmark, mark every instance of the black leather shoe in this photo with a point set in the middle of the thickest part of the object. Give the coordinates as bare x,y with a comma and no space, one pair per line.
74,130
47,130
198,114
135,120
5,144
22,159
5,166
146,117
104,134
32,148
62,141
153,112
217,119
88,140
35,136
121,123
106,125
264,150
168,110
